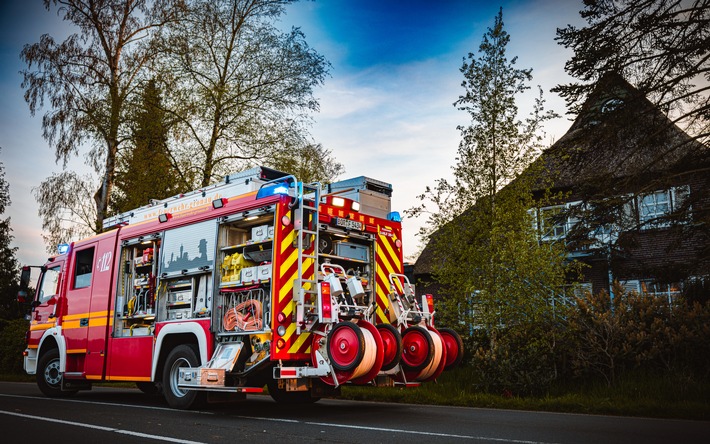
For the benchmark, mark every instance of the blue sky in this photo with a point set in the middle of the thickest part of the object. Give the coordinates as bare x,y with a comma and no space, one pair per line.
386,111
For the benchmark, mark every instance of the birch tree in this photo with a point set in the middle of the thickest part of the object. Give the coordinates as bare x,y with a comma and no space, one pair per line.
84,83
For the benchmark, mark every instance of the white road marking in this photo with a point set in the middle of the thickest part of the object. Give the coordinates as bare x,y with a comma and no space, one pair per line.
384,429
292,421
102,428
133,406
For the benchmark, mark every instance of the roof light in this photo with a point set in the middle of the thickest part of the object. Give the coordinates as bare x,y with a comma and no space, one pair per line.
394,216
271,189
63,248
164,217
338,201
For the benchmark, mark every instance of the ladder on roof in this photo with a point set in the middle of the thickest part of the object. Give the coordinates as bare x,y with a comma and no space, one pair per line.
305,286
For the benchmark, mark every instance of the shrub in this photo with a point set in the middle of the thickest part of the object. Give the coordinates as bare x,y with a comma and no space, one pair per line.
12,344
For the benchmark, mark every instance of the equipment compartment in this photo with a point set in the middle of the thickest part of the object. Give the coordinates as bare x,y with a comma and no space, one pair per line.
135,301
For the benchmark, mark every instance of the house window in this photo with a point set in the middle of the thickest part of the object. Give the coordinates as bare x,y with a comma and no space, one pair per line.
652,288
556,221
611,105
653,208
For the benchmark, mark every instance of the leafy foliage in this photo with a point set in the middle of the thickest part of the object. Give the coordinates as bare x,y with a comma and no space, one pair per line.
85,83
634,331
309,163
661,45
483,244
238,89
12,344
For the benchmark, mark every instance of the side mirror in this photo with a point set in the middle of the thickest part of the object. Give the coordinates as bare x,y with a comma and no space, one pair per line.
25,279
22,296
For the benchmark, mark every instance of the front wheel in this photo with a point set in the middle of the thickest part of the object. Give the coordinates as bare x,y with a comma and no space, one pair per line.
49,378
177,398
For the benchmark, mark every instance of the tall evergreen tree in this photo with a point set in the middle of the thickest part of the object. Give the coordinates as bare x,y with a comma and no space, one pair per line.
8,263
147,171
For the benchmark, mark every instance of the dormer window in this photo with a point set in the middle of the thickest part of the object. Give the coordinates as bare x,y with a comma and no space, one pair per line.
611,105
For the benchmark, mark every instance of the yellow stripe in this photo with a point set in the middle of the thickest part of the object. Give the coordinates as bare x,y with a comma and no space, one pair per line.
287,288
101,322
128,378
297,345
288,262
288,309
384,241
76,351
287,241
94,377
43,326
93,314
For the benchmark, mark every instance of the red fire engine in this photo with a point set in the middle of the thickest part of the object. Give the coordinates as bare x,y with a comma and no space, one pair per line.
257,280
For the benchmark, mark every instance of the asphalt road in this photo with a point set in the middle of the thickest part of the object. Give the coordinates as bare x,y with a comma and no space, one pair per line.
108,415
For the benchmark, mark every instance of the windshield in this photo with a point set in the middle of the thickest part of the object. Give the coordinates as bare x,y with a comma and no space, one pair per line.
49,286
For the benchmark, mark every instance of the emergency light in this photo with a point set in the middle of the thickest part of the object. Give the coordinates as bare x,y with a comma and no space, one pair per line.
63,248
394,216
271,189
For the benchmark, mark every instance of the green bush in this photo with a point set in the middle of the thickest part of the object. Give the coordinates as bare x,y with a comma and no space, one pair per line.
12,344
633,331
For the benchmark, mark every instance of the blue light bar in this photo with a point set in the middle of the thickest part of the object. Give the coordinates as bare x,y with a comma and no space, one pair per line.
63,248
394,216
271,189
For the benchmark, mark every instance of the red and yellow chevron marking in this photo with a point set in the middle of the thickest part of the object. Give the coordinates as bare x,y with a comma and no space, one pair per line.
388,259
296,347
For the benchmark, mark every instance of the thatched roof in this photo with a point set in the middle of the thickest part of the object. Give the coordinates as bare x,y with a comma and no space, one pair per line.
618,143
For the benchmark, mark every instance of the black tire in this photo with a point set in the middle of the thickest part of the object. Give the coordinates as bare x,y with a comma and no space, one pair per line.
450,338
181,356
393,333
149,388
49,379
418,349
282,396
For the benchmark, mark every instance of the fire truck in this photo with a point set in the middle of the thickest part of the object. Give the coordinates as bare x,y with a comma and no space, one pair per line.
259,280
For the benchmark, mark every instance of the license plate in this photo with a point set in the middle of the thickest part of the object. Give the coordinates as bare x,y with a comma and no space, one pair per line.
348,223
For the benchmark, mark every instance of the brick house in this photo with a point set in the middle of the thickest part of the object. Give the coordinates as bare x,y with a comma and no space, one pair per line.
634,200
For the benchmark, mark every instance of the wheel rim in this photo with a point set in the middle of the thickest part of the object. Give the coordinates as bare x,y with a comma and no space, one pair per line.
51,373
415,348
175,376
344,346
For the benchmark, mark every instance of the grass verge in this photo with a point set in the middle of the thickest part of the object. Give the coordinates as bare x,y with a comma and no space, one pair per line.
637,395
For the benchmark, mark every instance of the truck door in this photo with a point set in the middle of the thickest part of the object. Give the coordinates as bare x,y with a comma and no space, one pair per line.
85,319
44,312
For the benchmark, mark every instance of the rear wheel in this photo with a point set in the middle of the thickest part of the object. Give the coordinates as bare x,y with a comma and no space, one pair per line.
181,356
49,378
